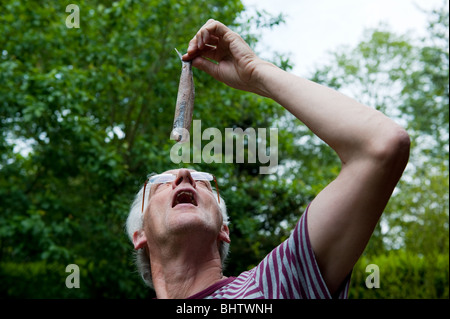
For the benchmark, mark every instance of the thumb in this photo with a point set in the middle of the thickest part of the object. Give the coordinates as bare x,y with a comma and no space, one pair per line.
207,66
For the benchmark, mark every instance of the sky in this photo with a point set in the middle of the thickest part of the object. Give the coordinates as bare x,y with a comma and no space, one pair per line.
314,27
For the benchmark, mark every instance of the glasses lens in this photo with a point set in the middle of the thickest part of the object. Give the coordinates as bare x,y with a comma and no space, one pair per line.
201,176
162,178
169,178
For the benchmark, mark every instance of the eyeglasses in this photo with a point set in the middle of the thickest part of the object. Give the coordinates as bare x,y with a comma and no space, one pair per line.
169,178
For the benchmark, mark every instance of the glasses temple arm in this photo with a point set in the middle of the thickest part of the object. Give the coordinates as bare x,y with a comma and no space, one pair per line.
217,189
143,196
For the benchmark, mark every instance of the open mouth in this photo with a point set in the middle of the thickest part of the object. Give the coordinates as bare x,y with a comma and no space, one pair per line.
184,197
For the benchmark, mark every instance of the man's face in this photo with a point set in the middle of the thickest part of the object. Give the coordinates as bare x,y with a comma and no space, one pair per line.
184,206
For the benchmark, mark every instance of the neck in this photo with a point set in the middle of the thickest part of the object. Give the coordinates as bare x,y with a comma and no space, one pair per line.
188,269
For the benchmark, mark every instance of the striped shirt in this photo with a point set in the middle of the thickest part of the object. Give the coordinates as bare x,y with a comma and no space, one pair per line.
290,271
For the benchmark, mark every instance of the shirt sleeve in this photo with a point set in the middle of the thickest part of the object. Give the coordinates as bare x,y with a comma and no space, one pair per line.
290,271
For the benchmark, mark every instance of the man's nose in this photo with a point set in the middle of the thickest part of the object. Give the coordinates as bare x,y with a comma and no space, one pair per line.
183,176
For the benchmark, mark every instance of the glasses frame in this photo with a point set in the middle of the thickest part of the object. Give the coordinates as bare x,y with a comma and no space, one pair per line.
175,176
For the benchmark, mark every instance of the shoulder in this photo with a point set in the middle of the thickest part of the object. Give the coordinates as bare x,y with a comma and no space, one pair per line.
291,270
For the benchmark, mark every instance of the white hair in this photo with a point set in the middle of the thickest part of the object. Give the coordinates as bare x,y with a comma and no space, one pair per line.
135,223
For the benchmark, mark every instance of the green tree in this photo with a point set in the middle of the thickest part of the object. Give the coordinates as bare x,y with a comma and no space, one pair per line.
86,114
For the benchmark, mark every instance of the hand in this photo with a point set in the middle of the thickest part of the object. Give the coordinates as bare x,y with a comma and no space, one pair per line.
236,61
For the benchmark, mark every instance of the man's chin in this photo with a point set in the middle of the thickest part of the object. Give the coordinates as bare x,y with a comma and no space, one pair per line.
189,221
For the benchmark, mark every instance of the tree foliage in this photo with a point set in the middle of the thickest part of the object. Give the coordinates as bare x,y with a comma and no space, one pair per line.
402,275
85,115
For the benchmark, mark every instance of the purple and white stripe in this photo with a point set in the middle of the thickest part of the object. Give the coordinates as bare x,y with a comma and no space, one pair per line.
290,271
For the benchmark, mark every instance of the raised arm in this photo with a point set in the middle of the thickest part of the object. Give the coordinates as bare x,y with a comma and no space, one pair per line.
372,148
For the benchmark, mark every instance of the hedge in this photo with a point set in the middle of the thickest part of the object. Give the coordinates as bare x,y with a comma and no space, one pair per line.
402,275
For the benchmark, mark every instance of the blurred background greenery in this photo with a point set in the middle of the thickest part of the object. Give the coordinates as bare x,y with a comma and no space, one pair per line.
85,115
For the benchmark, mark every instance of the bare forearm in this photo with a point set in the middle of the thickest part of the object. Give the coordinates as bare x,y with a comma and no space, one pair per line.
353,130
349,127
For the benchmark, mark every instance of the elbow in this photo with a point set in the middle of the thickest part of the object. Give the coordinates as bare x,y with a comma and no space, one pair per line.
393,148
399,146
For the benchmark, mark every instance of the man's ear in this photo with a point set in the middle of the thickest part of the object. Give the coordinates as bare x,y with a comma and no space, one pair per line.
224,234
139,239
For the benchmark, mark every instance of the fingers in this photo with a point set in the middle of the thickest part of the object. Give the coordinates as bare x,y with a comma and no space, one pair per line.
206,39
210,33
208,51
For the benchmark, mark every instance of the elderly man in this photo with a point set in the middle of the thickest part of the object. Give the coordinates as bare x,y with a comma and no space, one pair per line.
181,232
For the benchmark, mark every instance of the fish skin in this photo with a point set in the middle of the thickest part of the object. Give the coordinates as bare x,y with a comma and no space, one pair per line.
185,103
